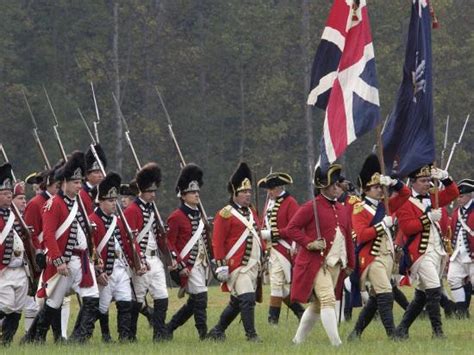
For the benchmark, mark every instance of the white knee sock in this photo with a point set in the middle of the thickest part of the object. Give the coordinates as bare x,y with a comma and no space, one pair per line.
28,323
307,322
458,295
329,321
65,311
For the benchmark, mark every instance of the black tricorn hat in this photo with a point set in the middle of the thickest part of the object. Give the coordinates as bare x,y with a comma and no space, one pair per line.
6,177
73,169
275,179
240,180
130,189
91,162
369,175
466,186
149,178
35,178
190,179
424,171
324,179
109,187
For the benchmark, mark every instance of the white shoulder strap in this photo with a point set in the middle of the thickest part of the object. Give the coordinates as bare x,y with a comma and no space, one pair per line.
146,229
66,224
107,235
8,227
191,242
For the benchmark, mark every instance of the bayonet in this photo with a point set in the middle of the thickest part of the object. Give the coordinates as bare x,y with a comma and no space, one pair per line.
455,144
96,123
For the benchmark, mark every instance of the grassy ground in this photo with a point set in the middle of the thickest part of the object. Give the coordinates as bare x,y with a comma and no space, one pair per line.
275,339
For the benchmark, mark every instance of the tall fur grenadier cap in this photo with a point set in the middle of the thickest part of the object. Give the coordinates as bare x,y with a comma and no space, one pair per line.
466,186
109,187
369,175
130,189
74,169
240,180
6,177
190,179
91,162
149,178
324,179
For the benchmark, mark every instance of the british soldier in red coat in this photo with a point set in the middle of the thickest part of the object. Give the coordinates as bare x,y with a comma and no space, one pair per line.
13,277
238,250
141,217
93,177
116,252
461,266
375,250
68,266
281,206
326,250
424,249
187,241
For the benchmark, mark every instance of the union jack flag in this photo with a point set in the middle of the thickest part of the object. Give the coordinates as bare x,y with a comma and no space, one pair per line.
344,79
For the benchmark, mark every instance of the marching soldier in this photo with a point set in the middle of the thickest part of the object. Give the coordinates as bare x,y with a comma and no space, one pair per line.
461,264
141,218
93,178
128,193
68,267
188,244
424,250
374,247
326,250
238,251
279,210
13,277
114,249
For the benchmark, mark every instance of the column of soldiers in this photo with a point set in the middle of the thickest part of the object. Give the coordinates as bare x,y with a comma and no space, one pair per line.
308,249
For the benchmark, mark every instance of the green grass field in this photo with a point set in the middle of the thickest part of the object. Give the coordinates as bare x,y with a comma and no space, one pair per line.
460,336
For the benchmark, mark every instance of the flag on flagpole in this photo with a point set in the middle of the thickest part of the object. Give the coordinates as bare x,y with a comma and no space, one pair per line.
408,139
344,79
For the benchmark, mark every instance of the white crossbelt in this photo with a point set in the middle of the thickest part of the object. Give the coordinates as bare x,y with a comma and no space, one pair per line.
249,229
8,228
464,225
191,242
66,224
107,235
146,229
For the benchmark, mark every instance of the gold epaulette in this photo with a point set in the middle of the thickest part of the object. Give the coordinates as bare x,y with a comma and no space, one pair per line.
48,204
358,208
354,199
225,212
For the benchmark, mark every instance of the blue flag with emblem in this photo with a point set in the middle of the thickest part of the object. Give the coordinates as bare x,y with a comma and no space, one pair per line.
408,139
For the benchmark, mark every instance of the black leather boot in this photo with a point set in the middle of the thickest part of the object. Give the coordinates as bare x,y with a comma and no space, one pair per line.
136,306
147,311
104,327
90,313
181,317
274,315
124,320
56,326
414,309
227,316
365,317
448,306
385,307
347,305
45,317
433,297
468,291
247,313
400,298
461,310
200,314
9,327
160,332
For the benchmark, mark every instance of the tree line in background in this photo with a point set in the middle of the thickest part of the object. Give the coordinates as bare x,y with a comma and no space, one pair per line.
234,75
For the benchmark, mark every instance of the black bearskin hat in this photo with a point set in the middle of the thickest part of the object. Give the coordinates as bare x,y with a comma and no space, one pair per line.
6,177
370,173
149,178
190,179
74,169
240,180
91,162
109,187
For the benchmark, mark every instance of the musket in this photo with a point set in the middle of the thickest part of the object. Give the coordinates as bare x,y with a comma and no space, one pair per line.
315,210
455,144
30,251
137,265
89,228
160,225
445,143
96,123
204,217
35,134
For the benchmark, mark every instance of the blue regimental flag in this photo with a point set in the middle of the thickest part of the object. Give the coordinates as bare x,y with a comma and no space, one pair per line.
408,139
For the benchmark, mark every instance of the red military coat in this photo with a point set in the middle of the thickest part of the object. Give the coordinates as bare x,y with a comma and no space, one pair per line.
100,232
368,234
414,222
302,229
470,223
285,212
227,231
33,218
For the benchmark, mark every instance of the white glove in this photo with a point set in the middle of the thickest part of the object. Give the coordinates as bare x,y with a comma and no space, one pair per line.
387,221
434,215
387,180
222,273
439,174
266,234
